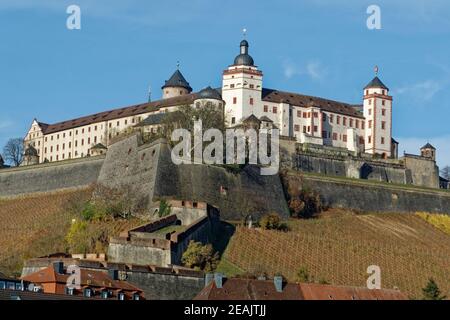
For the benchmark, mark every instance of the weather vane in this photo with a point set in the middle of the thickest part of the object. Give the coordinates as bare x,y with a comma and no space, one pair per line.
244,32
178,65
376,70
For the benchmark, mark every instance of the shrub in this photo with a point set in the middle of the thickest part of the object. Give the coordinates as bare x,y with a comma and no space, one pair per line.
200,257
271,222
164,209
303,275
76,237
432,291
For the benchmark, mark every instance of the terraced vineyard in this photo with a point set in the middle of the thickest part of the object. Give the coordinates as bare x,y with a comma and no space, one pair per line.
338,248
36,225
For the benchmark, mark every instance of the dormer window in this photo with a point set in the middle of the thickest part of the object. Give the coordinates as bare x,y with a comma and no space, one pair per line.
87,293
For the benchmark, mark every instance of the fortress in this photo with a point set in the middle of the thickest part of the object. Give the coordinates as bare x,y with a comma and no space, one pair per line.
318,136
361,128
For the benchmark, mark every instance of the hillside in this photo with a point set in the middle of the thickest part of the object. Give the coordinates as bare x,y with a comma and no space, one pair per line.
36,225
338,248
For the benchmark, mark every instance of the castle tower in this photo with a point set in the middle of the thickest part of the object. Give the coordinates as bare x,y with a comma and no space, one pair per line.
428,151
378,114
176,86
31,156
242,88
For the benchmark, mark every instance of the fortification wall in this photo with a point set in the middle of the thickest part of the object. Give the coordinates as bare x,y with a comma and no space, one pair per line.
340,162
377,197
49,177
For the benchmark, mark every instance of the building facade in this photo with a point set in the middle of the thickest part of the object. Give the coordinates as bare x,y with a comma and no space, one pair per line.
365,127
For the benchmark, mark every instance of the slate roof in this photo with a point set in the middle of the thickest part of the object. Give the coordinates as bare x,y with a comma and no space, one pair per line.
251,118
129,111
177,80
301,100
428,146
31,151
376,83
6,294
99,146
265,119
209,93
251,289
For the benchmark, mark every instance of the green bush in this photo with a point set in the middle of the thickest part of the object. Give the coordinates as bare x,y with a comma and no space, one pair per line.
200,257
432,291
164,209
303,275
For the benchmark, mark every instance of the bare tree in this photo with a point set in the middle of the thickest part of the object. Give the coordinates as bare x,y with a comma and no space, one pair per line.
445,172
13,151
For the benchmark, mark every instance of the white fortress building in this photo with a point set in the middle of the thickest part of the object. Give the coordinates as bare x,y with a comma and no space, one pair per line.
365,127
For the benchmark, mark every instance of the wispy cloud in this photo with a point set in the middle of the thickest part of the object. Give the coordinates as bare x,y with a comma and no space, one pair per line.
313,69
422,91
5,124
441,143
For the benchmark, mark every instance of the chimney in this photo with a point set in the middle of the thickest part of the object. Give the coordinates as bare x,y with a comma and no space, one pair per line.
59,267
113,274
218,279
278,282
209,277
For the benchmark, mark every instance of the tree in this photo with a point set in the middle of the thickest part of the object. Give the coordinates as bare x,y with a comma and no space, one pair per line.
432,291
13,151
445,172
272,222
200,257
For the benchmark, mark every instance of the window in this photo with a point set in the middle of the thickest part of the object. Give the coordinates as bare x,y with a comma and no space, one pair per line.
344,121
383,112
383,94
315,129
118,123
296,127
64,135
45,150
57,157
18,286
252,86
87,293
331,118
63,146
232,85
304,129
266,108
194,204
324,134
69,291
82,130
299,114
136,297
351,123
344,138
89,140
89,129
305,115
361,140
105,294
338,120
370,102
324,117
234,100
316,114
126,121
370,112
367,92
82,142
369,139
95,139
121,296
383,125
382,140
95,128
383,102
183,203
357,124
57,136
110,125
274,110
362,125
335,136
76,132
309,128
51,149
70,144
233,120
370,124
251,101
2,285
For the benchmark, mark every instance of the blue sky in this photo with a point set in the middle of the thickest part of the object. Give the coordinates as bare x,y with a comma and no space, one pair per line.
320,47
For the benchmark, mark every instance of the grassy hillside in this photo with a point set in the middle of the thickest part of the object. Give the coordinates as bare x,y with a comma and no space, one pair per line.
338,247
33,226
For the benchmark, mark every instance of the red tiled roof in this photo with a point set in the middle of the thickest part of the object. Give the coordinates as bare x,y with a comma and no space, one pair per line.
250,289
309,101
89,278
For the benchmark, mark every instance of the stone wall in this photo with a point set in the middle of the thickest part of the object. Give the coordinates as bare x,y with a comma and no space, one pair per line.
50,177
340,162
372,197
